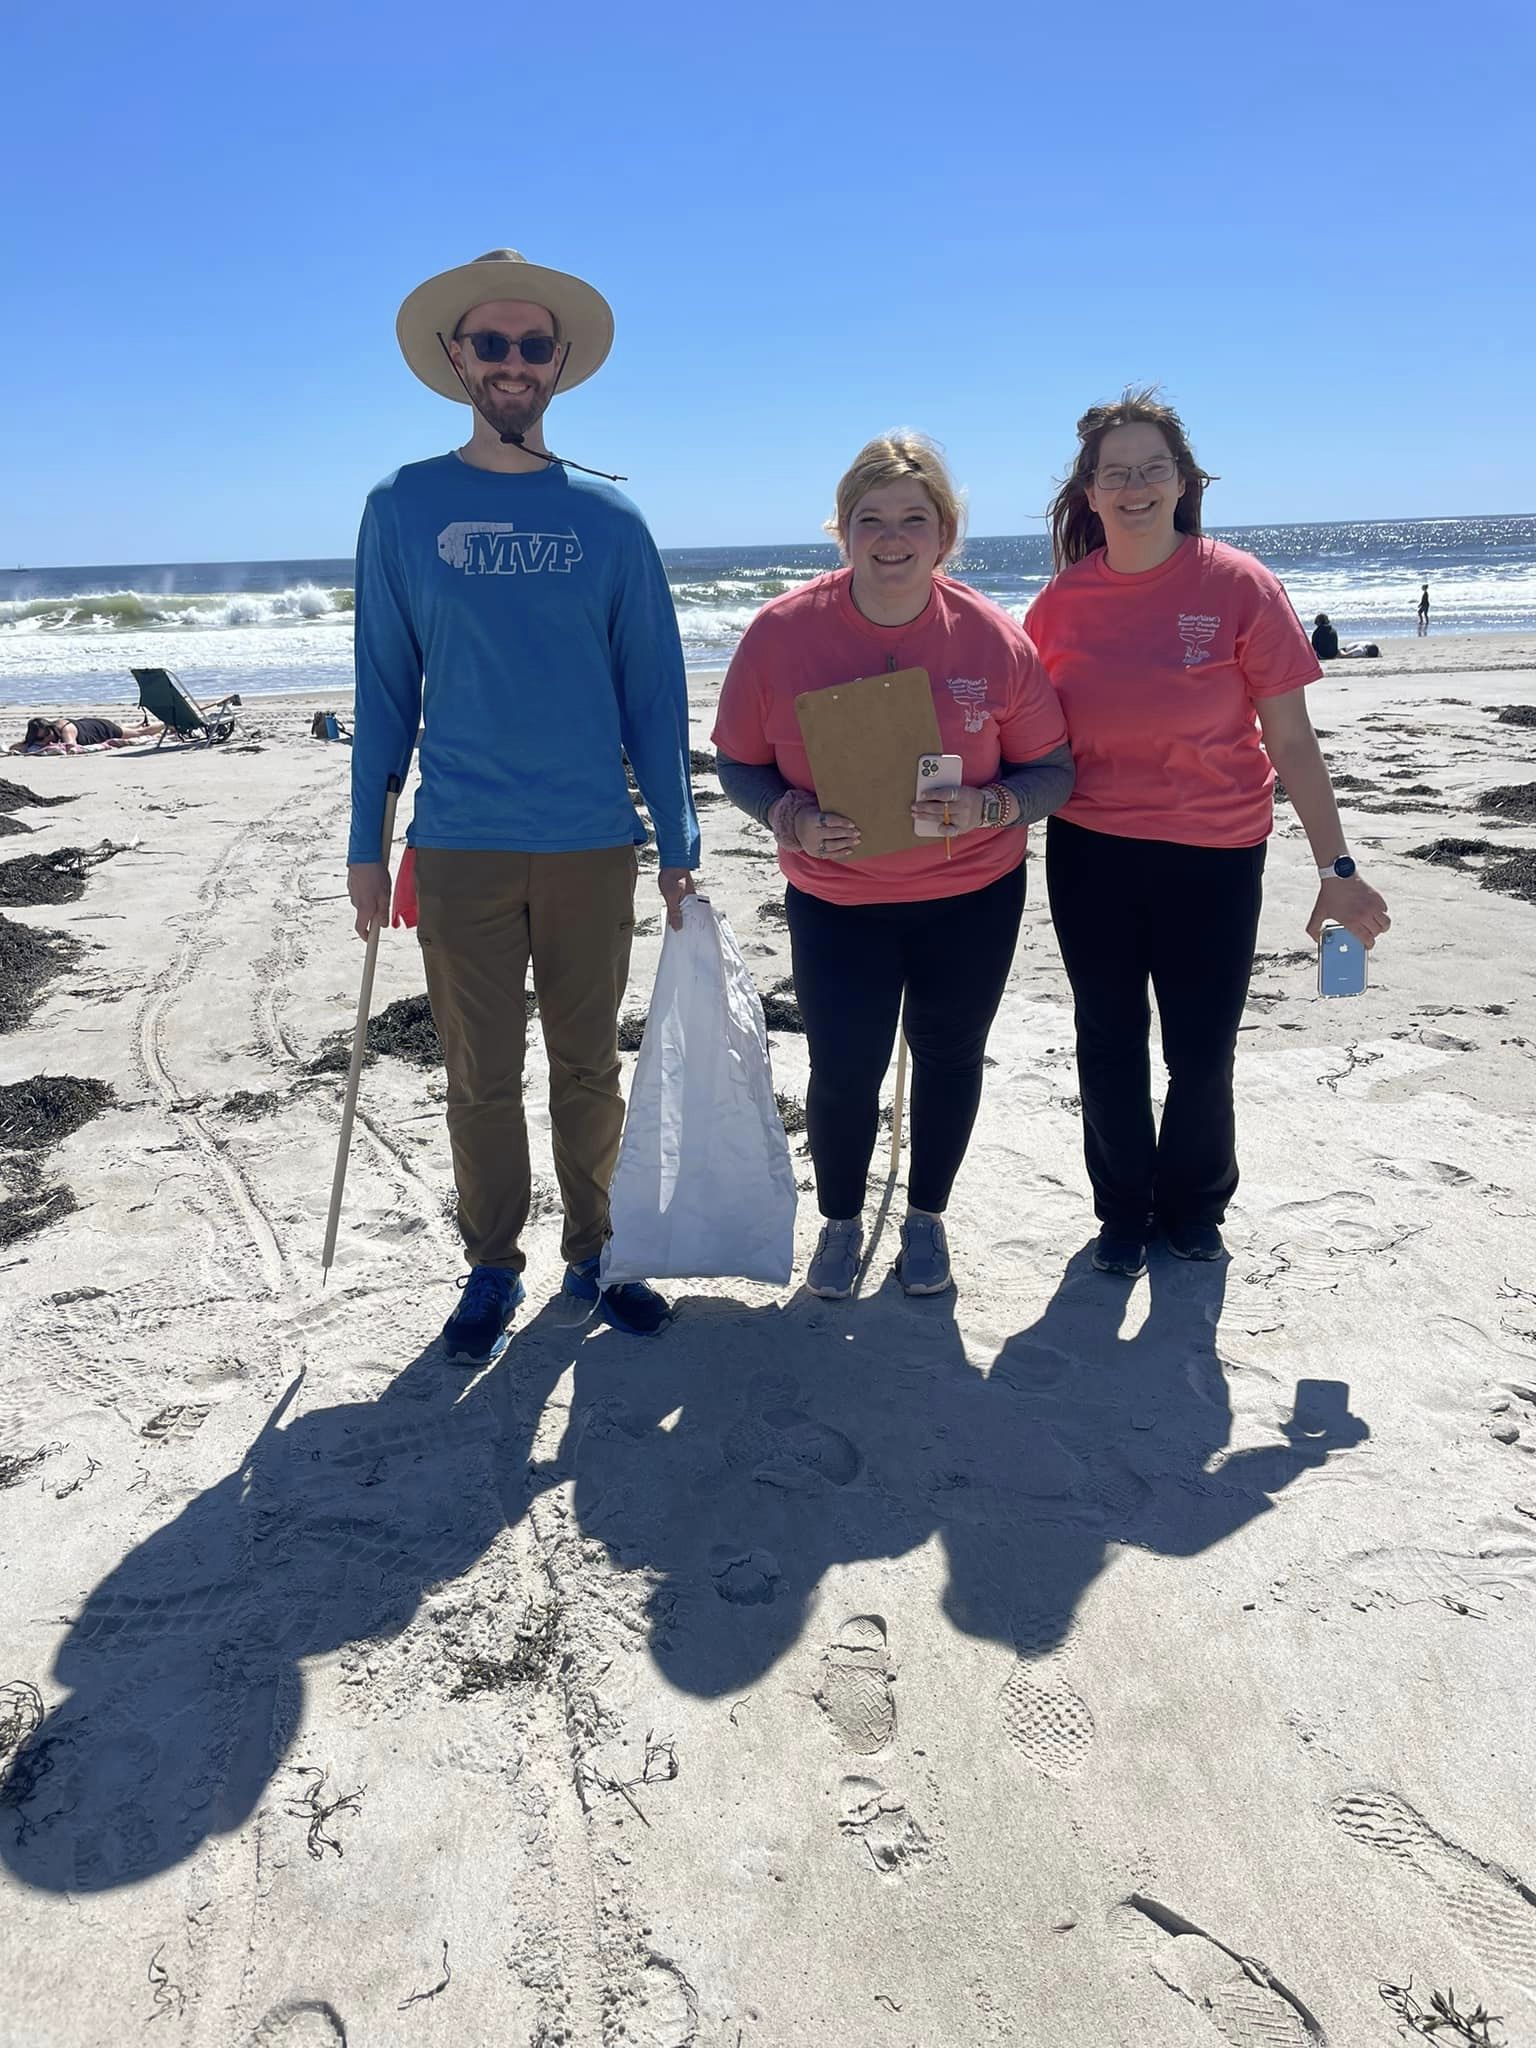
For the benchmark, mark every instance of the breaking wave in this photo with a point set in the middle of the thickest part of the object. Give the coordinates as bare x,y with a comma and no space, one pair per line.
135,611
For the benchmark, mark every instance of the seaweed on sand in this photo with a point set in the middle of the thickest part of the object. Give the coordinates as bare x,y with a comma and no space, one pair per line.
1450,853
1510,871
1516,714
15,796
33,1205
780,1010
1515,800
28,958
1442,2018
48,1107
35,1114
791,1113
56,877
534,1654
244,1104
404,1028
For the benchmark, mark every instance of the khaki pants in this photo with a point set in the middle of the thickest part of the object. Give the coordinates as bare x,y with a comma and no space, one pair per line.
482,917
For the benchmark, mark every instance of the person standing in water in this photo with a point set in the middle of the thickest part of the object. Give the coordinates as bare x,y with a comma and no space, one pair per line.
1424,611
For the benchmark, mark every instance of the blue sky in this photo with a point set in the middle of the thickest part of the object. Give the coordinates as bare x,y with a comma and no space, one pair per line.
1306,221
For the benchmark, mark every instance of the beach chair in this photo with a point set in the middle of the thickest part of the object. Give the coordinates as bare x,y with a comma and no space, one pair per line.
162,697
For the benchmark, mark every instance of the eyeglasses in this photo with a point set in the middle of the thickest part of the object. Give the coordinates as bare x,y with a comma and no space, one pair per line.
1114,476
491,347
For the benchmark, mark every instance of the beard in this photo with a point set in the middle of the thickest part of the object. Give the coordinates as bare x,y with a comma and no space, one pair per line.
507,413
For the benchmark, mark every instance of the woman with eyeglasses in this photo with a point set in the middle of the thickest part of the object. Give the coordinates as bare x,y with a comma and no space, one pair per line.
1182,669
933,927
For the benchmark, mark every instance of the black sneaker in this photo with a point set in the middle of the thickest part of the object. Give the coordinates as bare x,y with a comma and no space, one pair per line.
1194,1241
476,1332
1120,1253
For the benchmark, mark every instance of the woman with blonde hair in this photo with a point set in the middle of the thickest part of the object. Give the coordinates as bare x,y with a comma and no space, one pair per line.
934,926
1182,669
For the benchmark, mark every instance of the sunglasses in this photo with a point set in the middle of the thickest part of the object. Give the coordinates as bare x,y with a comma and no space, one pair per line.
491,347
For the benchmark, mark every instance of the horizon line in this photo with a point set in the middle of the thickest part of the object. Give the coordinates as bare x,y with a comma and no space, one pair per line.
727,547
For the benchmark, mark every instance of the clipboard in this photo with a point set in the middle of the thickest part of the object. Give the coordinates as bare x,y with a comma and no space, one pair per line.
864,740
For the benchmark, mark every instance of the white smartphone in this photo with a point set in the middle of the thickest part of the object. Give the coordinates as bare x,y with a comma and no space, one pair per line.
937,775
1341,963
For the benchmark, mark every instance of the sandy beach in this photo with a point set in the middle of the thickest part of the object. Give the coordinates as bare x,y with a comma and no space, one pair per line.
1060,1661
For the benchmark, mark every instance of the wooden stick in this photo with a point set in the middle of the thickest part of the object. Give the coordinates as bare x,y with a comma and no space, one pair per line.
901,1096
359,1045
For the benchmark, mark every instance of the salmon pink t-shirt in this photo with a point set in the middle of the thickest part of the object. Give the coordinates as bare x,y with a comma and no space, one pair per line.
993,699
1159,675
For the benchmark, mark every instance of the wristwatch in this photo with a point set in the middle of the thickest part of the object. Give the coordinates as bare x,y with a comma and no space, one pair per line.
1338,870
993,801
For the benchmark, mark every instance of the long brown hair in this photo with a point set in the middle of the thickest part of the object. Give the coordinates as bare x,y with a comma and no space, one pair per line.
1076,529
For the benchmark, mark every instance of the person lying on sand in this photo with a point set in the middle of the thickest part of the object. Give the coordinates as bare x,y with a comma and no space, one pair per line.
1327,646
78,735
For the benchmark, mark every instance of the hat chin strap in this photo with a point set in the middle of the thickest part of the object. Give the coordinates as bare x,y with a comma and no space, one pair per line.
515,438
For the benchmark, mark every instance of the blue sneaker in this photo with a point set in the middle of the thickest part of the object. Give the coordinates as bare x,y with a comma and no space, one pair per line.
476,1332
630,1306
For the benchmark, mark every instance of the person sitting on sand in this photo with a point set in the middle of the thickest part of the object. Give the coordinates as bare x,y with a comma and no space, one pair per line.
1327,647
934,926
1182,669
77,735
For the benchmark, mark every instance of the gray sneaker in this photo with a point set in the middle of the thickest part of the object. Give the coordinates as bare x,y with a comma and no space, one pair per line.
834,1264
922,1266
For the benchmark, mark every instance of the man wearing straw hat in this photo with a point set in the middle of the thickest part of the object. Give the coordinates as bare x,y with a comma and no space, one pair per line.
518,613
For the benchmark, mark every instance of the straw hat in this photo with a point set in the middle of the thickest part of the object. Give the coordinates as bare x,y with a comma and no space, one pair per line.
582,316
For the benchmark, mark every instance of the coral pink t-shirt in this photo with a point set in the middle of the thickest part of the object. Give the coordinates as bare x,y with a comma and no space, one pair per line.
993,699
1159,675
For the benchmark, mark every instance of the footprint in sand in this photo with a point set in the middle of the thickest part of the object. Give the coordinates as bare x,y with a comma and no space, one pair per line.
745,1578
1049,1723
299,2023
181,1419
855,1690
1488,1906
1241,1998
669,2015
787,1448
880,1821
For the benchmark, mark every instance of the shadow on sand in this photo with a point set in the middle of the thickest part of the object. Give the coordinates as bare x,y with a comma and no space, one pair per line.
734,1460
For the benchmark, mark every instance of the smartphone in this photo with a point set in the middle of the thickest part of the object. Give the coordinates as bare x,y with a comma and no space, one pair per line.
937,775
1341,963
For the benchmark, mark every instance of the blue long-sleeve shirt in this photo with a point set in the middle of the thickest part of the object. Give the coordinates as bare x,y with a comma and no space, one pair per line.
524,624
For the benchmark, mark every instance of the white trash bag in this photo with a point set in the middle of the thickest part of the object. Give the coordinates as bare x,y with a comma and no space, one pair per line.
704,1187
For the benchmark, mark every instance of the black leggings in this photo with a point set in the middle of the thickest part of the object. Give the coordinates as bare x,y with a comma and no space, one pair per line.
853,962
1185,918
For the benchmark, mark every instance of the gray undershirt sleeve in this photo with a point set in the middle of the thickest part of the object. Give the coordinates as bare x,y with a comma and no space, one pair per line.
750,788
1039,787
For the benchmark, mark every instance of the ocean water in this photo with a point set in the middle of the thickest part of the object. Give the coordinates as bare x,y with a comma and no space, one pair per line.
258,627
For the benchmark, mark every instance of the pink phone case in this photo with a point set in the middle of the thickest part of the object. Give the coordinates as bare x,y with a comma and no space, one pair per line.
937,775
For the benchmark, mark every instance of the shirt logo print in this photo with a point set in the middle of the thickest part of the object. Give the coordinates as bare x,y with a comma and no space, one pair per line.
1197,630
970,693
495,547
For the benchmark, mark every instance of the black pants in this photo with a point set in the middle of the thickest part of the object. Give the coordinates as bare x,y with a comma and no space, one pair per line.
1130,911
853,962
